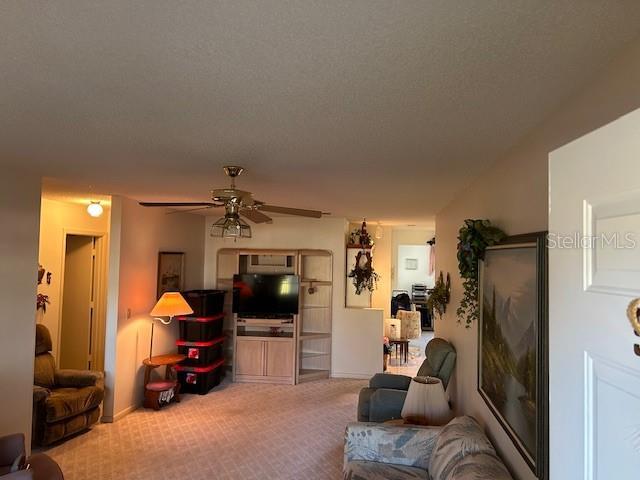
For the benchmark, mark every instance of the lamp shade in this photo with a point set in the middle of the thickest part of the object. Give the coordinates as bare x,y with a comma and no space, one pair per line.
230,226
171,304
411,324
426,403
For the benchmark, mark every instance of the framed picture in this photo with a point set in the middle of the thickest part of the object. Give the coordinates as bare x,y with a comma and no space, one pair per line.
170,272
411,263
513,377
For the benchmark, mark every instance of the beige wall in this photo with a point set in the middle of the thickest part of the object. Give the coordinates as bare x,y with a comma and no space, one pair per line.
357,333
143,233
19,217
383,257
56,220
413,236
513,195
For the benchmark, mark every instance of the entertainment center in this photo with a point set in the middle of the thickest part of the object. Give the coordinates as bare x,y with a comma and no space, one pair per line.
279,326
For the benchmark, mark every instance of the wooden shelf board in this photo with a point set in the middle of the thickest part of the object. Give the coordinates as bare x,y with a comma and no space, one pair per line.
265,336
307,374
314,354
314,335
315,253
249,322
308,281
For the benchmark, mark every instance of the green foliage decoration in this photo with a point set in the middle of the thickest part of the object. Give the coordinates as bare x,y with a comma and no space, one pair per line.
439,296
473,239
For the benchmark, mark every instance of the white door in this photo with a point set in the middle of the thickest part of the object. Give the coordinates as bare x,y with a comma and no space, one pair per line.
594,273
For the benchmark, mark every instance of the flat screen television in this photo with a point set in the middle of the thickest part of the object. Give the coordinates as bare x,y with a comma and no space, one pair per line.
257,295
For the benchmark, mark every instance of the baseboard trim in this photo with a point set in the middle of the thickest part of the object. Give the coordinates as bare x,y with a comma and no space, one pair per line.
354,376
123,413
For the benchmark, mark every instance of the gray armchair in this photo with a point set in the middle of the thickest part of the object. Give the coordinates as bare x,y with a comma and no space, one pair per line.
383,399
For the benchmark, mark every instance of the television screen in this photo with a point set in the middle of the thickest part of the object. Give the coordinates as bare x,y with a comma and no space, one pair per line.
264,295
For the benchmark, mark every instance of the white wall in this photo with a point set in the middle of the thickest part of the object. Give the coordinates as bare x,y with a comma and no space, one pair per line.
513,194
19,217
56,218
143,233
407,236
356,333
406,277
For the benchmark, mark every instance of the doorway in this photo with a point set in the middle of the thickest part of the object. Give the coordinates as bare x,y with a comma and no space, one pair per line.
81,343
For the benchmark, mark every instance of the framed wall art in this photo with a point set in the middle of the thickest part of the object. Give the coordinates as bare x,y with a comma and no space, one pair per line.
170,272
512,343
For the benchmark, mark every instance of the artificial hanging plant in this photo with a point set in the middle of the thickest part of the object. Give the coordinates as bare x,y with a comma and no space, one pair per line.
41,302
363,274
473,239
360,237
440,296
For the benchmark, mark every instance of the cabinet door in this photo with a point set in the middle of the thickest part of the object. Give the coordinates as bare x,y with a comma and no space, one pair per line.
249,357
279,358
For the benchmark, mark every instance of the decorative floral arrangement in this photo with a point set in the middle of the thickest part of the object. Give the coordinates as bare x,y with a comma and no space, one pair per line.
41,302
361,237
363,274
440,296
473,239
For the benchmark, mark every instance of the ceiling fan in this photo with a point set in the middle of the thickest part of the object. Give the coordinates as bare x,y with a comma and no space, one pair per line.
236,203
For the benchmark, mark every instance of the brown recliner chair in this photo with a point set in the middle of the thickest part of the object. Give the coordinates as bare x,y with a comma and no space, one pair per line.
13,462
64,401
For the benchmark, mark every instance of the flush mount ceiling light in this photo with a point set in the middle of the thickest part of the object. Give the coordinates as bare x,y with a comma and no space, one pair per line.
95,209
231,225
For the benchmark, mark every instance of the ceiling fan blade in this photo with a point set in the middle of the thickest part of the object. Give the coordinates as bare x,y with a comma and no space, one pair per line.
291,211
255,216
177,204
189,210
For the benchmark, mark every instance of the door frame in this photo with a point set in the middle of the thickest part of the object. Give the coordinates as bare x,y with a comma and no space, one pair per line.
100,294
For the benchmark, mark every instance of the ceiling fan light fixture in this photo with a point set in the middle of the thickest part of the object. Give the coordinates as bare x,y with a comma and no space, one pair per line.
230,226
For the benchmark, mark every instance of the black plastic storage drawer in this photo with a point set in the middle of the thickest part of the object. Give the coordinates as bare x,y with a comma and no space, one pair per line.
205,303
200,353
200,329
200,379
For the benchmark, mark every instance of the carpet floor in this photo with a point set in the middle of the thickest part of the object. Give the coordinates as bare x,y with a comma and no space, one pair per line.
237,431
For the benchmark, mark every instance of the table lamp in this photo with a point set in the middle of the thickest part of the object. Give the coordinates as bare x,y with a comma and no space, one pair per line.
169,305
426,403
410,324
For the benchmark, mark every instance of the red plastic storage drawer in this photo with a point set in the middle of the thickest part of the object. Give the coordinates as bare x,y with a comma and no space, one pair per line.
200,353
200,379
200,329
205,303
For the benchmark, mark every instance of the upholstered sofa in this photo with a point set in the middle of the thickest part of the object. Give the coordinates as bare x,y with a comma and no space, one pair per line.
13,461
64,401
458,451
383,399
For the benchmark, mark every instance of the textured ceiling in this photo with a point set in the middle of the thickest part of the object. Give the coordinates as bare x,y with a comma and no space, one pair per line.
382,109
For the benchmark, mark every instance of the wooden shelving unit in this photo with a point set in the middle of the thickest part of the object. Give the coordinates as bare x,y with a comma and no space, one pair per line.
302,350
315,315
